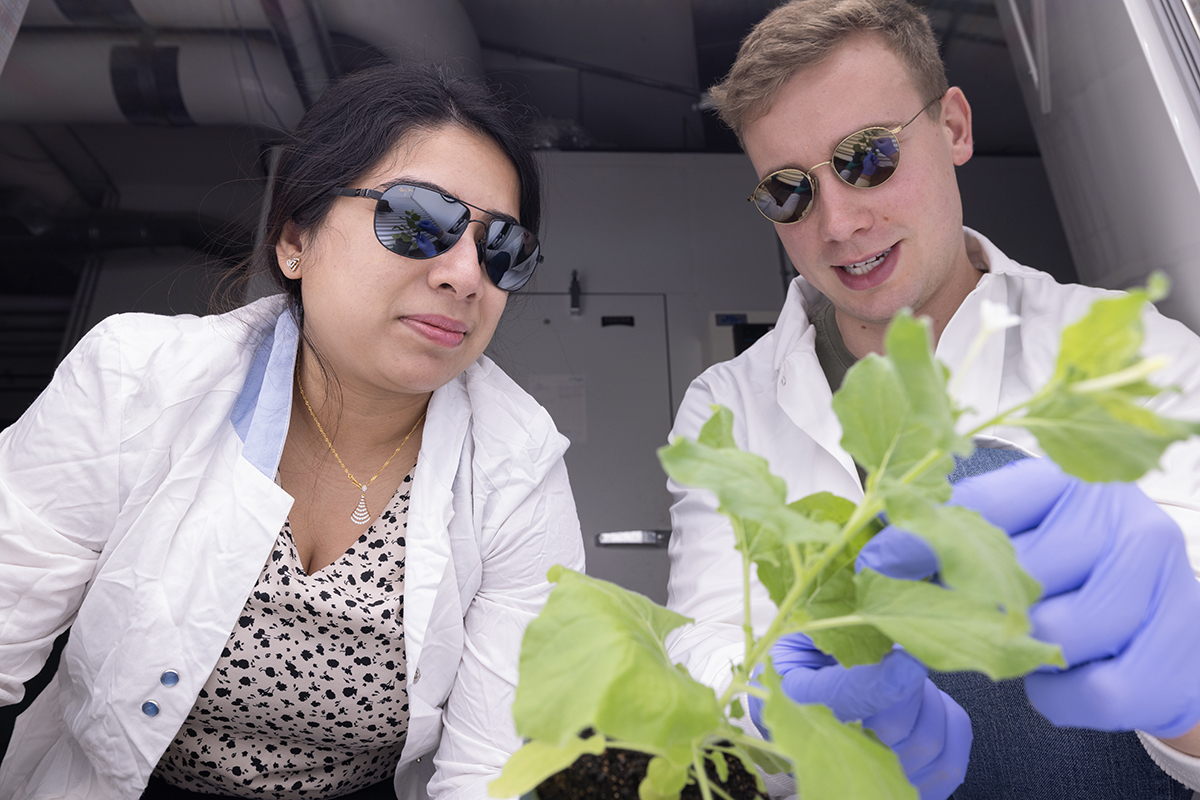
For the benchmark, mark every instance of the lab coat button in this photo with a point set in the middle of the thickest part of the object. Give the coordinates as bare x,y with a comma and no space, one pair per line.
150,708
169,678
416,676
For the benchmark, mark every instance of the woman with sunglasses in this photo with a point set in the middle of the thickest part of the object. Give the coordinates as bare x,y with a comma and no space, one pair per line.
297,544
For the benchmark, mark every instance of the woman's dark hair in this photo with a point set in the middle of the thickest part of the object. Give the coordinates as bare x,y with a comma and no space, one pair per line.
357,122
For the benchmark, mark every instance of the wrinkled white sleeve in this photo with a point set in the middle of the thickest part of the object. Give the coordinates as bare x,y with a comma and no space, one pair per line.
706,570
529,524
58,501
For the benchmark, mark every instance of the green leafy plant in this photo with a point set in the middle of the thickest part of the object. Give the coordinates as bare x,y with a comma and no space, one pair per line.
594,661
410,229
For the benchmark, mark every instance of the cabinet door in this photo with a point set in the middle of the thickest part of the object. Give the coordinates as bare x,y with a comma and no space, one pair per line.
603,375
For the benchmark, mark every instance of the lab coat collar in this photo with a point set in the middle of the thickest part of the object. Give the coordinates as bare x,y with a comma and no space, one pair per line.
801,388
262,411
976,386
803,391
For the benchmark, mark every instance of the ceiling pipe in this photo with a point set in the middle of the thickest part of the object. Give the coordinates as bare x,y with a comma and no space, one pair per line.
209,63
305,44
434,30
114,77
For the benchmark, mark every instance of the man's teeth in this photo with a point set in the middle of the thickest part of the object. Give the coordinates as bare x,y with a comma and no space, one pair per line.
863,267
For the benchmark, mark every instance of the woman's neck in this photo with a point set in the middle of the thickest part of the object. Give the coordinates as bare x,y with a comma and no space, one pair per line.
358,424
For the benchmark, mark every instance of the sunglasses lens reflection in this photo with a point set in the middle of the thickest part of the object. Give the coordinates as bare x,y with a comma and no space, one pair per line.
867,158
784,196
510,254
415,222
418,223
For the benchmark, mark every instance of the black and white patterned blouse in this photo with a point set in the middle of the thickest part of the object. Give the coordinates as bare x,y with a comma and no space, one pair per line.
310,696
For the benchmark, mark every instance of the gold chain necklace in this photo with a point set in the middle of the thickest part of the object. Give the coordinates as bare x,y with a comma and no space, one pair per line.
361,515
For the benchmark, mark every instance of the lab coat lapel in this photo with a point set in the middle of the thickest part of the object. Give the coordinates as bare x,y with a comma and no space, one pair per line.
977,388
801,388
430,513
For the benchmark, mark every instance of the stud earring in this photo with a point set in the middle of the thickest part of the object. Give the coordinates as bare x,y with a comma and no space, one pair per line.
292,263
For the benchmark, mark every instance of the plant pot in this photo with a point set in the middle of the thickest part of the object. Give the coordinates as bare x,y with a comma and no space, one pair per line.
616,774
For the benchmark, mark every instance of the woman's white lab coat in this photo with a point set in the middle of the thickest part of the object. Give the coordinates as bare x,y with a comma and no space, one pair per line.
137,506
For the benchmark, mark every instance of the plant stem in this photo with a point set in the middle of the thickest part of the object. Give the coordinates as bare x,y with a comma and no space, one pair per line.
758,744
1114,380
925,463
701,773
1004,416
862,515
747,619
846,621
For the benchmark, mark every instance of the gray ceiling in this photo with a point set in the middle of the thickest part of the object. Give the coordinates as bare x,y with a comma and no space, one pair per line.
628,74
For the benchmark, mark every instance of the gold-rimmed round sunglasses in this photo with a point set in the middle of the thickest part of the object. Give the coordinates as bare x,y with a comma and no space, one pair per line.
864,159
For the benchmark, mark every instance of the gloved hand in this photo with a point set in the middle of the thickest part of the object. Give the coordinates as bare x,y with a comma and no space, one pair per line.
1118,594
928,731
870,163
885,145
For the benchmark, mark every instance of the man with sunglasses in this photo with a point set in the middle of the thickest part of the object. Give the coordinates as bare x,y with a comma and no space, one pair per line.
844,110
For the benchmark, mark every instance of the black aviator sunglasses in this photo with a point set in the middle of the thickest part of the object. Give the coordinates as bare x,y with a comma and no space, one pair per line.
864,159
416,222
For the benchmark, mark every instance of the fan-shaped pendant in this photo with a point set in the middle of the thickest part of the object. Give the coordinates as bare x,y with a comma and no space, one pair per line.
361,515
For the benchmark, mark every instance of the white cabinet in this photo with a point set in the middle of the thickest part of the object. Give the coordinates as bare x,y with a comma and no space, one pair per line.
604,376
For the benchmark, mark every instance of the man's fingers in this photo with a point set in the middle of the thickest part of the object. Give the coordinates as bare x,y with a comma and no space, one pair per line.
856,693
1015,497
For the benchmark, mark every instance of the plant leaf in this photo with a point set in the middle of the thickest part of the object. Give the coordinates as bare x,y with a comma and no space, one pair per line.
771,763
1104,433
975,557
664,780
909,345
914,420
833,760
735,709
745,488
720,764
718,431
594,658
1102,436
948,630
537,761
769,552
859,644
836,593
1107,338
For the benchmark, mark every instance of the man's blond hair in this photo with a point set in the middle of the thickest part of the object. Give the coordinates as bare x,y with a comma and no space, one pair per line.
803,33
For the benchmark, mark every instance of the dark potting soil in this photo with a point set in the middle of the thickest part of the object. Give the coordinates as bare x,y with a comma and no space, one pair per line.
616,774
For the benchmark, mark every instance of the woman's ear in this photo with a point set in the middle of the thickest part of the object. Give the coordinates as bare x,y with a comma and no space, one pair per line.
956,120
289,251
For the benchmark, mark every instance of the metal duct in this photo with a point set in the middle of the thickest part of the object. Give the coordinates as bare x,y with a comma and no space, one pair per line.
208,63
76,77
436,30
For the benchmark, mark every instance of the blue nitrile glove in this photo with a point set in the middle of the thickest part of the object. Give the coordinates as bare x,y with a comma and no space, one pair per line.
1118,594
886,145
928,731
425,245
870,163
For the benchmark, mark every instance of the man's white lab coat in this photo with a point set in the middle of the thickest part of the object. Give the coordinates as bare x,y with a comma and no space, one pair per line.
781,404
